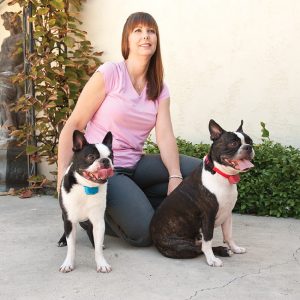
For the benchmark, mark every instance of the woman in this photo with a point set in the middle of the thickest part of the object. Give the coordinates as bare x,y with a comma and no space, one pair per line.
130,99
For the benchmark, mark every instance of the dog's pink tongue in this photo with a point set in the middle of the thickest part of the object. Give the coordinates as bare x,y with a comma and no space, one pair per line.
244,164
105,173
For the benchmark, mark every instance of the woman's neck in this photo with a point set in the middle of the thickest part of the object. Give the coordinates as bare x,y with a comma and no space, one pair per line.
137,69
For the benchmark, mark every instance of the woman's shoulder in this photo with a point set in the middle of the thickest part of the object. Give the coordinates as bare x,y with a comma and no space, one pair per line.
110,66
113,74
164,94
165,87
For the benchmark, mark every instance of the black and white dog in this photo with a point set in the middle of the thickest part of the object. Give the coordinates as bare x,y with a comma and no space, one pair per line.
83,197
183,225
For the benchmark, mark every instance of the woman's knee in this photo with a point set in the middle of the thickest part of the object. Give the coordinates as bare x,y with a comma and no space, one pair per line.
136,234
142,240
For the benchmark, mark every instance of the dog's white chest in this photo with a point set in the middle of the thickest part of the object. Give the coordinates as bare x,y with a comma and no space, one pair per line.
80,206
225,193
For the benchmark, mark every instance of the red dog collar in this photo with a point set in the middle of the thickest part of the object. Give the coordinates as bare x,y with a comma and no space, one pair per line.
233,179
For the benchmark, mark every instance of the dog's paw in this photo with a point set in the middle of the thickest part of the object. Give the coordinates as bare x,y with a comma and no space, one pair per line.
238,250
62,244
215,262
103,267
66,267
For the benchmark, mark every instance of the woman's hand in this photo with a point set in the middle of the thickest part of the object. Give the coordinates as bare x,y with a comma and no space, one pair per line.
173,184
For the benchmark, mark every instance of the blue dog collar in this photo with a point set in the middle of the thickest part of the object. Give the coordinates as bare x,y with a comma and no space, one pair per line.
91,190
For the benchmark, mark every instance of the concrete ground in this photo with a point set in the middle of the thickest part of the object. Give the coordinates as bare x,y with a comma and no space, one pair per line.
29,262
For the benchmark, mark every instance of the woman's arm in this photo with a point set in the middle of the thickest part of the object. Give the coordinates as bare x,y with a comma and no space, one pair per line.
167,144
88,103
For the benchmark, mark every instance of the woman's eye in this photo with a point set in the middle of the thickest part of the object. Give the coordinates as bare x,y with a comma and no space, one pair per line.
151,31
137,30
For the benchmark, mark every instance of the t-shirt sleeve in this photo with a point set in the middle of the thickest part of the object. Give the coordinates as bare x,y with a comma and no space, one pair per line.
109,71
164,93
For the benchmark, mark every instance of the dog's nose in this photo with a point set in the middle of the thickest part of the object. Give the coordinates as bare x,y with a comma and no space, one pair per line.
247,148
105,162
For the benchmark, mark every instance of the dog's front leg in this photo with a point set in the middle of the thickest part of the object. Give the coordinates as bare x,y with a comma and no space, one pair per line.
227,236
98,232
207,236
70,232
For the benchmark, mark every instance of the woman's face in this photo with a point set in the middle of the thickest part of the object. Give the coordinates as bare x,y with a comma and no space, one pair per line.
142,41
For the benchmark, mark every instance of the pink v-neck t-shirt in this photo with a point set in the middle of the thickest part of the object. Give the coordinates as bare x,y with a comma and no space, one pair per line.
129,116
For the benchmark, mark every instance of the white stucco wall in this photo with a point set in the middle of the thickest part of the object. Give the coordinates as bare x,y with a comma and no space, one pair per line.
223,59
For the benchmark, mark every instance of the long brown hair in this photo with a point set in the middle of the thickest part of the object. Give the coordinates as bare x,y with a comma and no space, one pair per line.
155,72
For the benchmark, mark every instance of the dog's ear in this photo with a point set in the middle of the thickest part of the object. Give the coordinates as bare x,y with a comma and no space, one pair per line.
240,129
215,130
108,140
78,140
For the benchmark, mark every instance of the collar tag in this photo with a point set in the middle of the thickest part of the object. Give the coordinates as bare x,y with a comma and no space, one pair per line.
91,190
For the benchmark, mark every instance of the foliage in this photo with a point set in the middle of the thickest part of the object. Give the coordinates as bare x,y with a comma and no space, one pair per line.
272,188
185,147
61,63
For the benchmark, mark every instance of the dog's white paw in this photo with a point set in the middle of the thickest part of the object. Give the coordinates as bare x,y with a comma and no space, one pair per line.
103,267
66,267
238,250
215,262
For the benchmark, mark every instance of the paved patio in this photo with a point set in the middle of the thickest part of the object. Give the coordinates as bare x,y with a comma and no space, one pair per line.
29,261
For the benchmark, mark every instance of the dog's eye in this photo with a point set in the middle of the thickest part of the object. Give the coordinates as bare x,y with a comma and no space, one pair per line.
234,144
91,157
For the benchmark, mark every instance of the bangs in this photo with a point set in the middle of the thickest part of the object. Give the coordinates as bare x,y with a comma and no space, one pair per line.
143,19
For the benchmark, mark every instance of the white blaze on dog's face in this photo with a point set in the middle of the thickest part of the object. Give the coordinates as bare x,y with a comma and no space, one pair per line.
104,151
102,160
242,159
245,146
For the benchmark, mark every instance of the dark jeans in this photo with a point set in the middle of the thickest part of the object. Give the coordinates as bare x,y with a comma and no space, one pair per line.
134,194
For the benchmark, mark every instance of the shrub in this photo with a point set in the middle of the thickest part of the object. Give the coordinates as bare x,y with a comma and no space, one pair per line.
184,147
272,188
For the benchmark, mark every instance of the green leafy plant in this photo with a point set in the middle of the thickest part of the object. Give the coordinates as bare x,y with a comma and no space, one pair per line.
272,188
60,65
265,134
185,147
